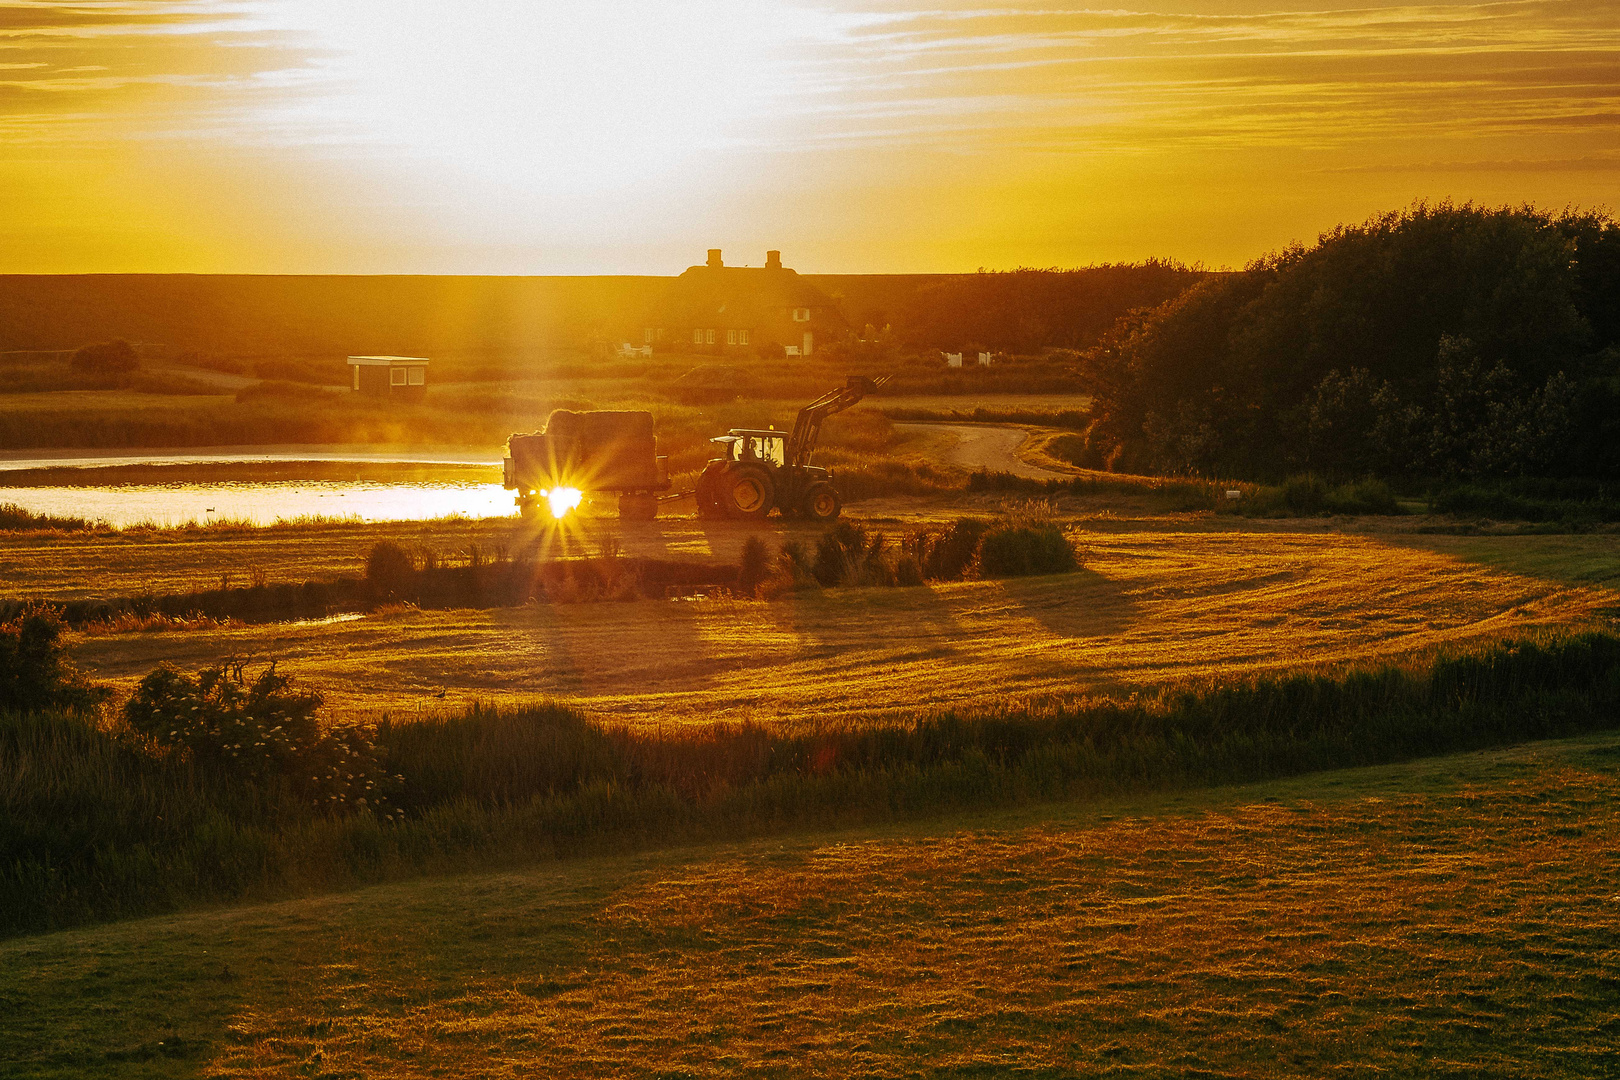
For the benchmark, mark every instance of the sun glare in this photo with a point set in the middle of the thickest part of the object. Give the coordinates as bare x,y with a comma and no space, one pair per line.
563,500
548,99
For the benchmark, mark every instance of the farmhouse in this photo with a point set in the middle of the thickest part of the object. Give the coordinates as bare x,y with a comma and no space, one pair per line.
390,376
744,310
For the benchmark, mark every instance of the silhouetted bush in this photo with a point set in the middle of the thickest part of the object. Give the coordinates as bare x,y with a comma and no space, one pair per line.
35,672
1022,550
389,568
108,357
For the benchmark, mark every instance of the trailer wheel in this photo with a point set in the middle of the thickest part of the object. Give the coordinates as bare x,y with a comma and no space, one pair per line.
747,492
821,502
638,506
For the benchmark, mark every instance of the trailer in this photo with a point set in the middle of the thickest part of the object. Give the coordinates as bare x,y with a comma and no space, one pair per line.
587,453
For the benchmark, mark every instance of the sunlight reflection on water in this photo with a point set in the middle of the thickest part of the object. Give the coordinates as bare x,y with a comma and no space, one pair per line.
262,503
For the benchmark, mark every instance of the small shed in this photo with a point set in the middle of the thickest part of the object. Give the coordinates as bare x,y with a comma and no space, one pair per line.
390,376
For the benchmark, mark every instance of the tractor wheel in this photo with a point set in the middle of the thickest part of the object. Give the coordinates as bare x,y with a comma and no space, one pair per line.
821,502
639,506
746,492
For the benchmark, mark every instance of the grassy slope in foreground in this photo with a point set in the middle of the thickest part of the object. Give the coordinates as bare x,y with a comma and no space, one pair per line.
1448,917
93,827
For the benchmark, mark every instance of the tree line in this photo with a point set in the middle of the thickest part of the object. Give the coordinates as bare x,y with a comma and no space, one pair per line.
1441,341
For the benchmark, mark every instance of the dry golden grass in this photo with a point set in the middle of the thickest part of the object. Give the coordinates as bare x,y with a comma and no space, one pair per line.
1454,917
1149,608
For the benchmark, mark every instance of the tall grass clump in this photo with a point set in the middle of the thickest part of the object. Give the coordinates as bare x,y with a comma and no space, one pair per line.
14,518
96,821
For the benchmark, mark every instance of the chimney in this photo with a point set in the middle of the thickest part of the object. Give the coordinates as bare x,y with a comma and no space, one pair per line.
773,260
714,257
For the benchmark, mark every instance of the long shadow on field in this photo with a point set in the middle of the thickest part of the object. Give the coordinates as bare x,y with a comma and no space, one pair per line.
1084,604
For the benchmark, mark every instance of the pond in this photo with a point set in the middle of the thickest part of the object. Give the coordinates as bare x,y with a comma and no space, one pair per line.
261,502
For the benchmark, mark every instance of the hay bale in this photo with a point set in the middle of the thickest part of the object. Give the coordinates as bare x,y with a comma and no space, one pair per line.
593,451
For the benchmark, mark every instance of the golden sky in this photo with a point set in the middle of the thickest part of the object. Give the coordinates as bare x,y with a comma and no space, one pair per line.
627,136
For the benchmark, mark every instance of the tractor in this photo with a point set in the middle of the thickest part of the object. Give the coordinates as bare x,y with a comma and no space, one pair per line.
760,471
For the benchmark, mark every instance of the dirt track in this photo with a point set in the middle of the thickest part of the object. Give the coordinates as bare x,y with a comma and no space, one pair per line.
983,446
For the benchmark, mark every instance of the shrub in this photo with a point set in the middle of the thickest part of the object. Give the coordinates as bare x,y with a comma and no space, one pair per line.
35,672
108,357
755,566
1309,496
839,554
261,732
944,553
389,568
1305,495
1021,550
1363,497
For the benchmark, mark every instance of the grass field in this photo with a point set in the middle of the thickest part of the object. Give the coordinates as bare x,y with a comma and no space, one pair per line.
1449,917
1149,608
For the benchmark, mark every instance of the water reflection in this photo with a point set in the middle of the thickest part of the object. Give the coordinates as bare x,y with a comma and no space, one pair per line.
263,503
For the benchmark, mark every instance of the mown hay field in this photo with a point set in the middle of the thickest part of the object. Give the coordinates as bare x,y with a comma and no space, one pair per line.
1149,608
1449,917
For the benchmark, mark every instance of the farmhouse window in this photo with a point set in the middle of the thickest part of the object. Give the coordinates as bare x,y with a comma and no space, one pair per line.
396,376
742,337
708,337
801,314
731,337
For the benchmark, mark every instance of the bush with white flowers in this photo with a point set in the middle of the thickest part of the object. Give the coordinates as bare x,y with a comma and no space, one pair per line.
262,731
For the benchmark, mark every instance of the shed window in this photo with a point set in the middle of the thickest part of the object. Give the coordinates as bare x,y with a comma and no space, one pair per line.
396,376
416,376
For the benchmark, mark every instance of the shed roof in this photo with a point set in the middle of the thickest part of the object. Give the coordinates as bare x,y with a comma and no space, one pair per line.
386,361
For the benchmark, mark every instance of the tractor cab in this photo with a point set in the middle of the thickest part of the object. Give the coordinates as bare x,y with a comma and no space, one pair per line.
742,444
760,471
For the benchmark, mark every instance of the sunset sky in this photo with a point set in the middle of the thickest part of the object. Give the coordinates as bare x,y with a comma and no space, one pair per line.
626,136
